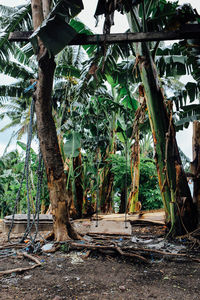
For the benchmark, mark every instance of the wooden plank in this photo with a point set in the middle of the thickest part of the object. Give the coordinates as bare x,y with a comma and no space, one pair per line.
189,31
111,227
157,217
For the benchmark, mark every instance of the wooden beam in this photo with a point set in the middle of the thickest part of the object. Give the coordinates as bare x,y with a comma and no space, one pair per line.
189,31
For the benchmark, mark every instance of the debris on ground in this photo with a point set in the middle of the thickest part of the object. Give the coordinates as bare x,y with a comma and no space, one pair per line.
103,267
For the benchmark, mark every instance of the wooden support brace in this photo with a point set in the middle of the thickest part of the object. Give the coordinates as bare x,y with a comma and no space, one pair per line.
188,31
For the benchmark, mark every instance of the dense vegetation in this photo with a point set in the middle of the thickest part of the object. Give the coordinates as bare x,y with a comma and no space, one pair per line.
11,172
97,100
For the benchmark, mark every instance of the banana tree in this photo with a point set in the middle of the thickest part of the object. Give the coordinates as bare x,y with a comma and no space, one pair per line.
172,180
142,16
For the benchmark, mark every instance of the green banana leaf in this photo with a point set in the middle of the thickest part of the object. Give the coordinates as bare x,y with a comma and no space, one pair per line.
72,144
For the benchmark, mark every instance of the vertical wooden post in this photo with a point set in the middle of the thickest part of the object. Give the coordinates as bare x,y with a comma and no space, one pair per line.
195,165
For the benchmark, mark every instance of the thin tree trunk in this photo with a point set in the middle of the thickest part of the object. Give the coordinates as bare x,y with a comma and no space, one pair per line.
107,177
135,174
78,185
122,201
195,165
46,4
47,135
105,190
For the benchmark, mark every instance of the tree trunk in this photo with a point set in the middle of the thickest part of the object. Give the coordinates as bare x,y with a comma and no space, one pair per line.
122,201
47,135
195,165
105,190
46,5
78,185
135,174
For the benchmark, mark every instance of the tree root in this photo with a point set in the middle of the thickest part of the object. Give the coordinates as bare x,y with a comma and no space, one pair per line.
73,234
20,270
191,237
70,234
49,236
113,248
123,251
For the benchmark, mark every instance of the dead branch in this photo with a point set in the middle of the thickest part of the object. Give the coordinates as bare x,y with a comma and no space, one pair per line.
154,251
115,248
20,270
31,257
8,246
128,254
163,253
123,251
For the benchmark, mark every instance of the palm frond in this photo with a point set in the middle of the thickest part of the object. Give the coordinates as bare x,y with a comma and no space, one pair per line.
189,113
6,10
19,19
16,70
7,91
25,56
10,125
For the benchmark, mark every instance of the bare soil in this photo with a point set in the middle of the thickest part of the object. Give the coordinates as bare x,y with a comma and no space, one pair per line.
100,276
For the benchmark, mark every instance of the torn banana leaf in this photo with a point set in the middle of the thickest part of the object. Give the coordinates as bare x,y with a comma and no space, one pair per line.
55,32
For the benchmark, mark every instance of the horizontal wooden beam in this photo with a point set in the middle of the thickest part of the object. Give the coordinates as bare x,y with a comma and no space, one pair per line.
189,31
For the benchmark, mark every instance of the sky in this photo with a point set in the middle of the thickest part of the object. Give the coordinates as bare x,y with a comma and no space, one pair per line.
184,138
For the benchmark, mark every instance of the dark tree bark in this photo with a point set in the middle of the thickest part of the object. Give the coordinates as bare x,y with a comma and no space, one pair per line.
122,201
78,185
195,165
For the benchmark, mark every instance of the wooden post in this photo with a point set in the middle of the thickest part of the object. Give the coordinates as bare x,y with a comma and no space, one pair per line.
195,165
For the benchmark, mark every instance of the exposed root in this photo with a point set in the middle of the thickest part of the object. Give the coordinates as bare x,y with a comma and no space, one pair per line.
74,235
20,270
110,247
49,236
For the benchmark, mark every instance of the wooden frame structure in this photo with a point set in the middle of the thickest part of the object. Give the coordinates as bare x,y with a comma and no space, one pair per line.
188,31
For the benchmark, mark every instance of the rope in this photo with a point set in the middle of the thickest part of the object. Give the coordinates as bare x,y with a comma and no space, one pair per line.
97,164
97,161
25,171
126,144
25,175
28,148
38,193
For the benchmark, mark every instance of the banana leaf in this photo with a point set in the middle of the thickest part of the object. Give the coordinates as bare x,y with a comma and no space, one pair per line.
72,144
55,32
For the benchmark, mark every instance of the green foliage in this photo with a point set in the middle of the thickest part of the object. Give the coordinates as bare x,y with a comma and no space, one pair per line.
118,163
72,144
149,192
12,166
83,106
13,19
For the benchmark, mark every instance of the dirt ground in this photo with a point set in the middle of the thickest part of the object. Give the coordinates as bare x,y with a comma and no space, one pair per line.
69,275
